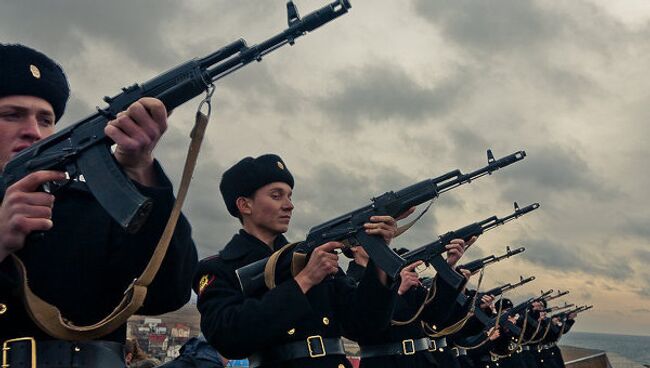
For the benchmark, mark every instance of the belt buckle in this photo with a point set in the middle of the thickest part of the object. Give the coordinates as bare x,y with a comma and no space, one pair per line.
432,345
456,351
408,347
320,346
6,348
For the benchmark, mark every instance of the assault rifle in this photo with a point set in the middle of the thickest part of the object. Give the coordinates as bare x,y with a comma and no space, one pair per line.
521,309
557,308
349,227
478,264
84,150
558,295
565,314
507,287
432,253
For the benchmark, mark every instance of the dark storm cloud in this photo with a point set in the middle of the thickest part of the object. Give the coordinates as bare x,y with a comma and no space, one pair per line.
491,25
565,258
382,92
138,27
552,170
638,227
261,88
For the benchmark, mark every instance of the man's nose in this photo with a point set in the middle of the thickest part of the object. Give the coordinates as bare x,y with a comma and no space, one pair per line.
288,205
31,128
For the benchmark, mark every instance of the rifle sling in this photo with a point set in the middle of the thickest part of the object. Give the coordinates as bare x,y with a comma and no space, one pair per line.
271,265
49,318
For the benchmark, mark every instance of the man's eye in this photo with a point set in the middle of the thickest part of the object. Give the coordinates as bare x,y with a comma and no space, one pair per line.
9,116
46,122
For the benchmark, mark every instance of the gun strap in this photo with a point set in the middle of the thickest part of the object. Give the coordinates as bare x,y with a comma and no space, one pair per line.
298,262
271,265
457,326
49,318
402,229
431,293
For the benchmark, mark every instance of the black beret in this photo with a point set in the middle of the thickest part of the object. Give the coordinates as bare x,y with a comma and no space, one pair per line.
25,71
250,174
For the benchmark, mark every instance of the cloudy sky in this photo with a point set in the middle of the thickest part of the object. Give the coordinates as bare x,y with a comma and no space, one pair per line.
398,91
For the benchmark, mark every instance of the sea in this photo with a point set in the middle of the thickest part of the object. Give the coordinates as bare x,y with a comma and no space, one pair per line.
635,348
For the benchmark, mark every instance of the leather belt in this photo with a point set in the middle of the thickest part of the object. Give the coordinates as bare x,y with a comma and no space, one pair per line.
404,347
26,352
440,343
312,347
458,352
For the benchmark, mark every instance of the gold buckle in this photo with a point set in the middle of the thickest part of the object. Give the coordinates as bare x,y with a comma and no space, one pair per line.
6,348
320,342
411,347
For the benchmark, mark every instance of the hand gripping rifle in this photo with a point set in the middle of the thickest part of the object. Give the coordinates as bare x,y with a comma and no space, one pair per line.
478,264
502,320
84,149
432,253
349,227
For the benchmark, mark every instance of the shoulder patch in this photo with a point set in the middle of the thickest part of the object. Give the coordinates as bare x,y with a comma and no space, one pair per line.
204,282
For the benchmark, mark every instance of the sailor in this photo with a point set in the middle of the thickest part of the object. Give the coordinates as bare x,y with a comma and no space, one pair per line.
299,323
83,261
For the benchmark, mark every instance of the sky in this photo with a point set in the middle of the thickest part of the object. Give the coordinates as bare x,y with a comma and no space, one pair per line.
395,92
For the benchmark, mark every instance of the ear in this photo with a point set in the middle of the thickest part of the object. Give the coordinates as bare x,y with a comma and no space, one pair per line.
244,205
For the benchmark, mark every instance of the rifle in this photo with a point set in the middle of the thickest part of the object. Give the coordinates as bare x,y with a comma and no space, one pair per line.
490,322
476,265
557,308
503,288
84,150
565,314
432,253
558,295
350,226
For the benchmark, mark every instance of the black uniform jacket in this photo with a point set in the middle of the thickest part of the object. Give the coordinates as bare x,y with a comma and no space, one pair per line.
86,261
238,326
406,307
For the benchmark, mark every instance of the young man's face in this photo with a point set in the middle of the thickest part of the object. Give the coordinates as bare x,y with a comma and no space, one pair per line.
23,121
270,208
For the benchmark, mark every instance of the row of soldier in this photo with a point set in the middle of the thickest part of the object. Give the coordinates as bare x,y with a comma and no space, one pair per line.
80,260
